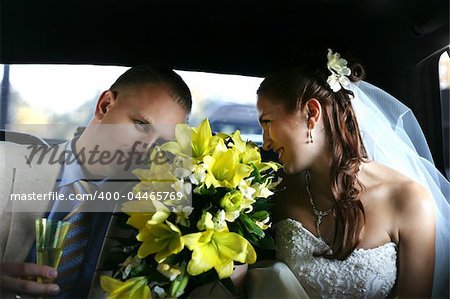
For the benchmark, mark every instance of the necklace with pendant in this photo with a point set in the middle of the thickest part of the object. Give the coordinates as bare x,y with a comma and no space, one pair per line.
319,214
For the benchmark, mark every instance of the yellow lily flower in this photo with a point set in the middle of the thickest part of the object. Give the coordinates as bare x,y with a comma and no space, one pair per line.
192,142
249,151
218,250
201,140
251,156
156,178
138,220
232,201
134,288
183,144
164,239
206,221
143,212
156,172
238,142
263,166
223,167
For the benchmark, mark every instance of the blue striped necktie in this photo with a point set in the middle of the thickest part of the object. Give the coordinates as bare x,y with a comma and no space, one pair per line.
76,241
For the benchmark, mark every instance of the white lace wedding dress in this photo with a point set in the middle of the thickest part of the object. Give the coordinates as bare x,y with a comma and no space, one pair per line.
366,273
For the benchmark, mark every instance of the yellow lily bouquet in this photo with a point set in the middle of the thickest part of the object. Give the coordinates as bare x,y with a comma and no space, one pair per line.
196,215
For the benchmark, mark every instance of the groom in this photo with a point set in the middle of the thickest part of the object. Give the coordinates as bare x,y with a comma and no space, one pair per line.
141,107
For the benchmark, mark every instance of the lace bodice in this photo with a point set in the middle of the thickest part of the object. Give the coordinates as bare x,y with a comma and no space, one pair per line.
368,273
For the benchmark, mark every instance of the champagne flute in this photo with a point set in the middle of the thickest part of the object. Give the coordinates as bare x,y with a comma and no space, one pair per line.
50,237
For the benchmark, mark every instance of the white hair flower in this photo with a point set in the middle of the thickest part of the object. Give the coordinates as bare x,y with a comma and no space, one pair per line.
339,71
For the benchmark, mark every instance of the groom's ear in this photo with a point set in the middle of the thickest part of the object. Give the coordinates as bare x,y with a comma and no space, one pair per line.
313,111
104,103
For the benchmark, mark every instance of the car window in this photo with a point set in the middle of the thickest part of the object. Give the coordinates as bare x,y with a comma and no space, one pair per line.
444,79
64,97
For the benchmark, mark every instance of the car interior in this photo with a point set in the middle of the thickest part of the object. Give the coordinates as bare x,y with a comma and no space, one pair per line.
403,46
399,43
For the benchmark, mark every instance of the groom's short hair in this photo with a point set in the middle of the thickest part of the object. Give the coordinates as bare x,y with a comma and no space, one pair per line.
155,74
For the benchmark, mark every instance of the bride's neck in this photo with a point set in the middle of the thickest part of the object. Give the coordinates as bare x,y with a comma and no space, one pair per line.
320,186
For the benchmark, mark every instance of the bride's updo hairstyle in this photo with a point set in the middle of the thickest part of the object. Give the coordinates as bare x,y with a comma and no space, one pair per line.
293,88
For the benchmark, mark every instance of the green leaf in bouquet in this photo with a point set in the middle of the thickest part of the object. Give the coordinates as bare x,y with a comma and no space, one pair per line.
256,174
252,239
178,286
265,242
210,202
139,270
236,227
251,226
263,204
207,191
260,215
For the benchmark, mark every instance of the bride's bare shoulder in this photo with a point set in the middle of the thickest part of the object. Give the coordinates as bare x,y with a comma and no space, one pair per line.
400,193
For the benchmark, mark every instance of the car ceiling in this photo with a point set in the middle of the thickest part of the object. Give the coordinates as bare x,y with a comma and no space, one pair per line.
237,37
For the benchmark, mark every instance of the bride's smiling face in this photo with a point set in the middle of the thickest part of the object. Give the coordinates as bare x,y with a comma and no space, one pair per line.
285,133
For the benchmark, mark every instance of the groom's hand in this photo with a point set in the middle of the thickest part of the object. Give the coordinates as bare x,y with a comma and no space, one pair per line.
20,278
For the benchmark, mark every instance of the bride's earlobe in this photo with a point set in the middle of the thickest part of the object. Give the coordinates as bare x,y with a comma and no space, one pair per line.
313,110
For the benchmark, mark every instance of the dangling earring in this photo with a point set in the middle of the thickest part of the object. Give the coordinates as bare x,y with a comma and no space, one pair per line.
310,135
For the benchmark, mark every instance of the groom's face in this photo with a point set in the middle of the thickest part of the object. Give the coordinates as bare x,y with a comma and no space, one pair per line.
133,119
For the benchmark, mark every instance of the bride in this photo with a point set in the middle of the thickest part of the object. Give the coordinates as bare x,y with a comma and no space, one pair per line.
363,213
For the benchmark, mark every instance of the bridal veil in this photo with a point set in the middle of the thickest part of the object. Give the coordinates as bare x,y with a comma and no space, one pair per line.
393,137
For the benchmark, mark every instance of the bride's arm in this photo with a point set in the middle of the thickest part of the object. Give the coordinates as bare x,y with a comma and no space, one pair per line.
416,232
